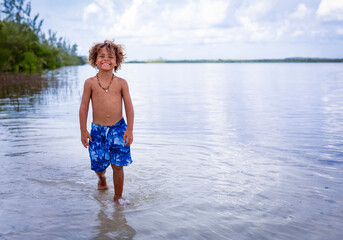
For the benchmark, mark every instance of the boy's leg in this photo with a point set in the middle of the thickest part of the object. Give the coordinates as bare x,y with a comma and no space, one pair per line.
118,182
102,185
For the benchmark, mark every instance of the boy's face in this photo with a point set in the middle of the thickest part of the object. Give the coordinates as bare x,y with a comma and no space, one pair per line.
106,59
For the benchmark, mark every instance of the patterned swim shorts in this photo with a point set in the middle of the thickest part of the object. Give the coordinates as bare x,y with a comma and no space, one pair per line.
107,146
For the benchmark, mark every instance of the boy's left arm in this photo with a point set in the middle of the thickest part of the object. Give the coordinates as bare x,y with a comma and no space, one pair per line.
128,135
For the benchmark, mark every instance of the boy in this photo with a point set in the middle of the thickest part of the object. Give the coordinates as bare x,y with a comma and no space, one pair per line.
110,138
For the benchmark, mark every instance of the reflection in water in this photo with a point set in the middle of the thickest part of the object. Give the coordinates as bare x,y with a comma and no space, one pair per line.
23,91
16,86
115,226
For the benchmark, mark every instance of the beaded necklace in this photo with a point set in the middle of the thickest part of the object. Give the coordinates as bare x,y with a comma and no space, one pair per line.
106,89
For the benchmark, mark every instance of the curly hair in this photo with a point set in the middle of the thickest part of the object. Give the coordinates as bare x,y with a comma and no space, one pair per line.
110,46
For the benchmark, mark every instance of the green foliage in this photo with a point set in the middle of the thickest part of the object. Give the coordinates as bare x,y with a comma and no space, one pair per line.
23,47
15,12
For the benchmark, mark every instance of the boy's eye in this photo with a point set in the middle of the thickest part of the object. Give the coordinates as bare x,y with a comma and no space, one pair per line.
102,56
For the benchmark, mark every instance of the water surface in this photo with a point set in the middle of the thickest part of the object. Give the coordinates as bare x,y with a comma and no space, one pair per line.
221,151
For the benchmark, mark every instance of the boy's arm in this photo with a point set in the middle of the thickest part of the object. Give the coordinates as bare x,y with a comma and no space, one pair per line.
83,113
128,135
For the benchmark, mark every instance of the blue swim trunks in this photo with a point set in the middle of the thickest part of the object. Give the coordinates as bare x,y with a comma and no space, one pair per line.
107,146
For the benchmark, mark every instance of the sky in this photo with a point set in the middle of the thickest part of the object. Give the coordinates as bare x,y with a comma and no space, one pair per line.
200,29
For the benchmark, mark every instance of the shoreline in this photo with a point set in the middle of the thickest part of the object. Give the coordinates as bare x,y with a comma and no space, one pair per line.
284,60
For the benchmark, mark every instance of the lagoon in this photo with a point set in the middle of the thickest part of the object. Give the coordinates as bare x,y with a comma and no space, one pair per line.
221,151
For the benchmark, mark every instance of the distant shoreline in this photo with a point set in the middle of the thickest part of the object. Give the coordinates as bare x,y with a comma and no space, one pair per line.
284,60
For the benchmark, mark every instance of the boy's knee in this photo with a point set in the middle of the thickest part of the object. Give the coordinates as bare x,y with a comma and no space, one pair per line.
116,168
101,173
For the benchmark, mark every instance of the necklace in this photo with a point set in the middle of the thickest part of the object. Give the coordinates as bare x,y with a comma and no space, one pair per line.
106,89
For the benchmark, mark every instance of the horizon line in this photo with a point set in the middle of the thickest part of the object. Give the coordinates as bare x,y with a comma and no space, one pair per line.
288,59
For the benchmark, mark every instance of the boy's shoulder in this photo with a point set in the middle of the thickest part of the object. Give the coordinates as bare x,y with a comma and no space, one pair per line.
90,81
121,81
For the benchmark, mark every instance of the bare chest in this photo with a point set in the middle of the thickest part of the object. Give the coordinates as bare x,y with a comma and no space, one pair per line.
109,94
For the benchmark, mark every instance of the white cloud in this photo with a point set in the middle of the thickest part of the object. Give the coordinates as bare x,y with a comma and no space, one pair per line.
330,10
157,22
254,30
208,22
194,28
282,29
301,12
91,11
255,10
136,15
203,13
297,33
100,13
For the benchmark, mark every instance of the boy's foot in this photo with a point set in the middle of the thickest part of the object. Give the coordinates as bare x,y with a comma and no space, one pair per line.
102,187
121,201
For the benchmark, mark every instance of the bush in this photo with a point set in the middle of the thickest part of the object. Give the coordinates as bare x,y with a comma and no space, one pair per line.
24,48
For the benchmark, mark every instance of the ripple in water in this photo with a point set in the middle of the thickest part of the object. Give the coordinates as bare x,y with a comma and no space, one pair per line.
221,151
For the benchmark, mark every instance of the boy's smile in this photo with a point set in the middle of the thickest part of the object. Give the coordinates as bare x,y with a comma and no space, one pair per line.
106,59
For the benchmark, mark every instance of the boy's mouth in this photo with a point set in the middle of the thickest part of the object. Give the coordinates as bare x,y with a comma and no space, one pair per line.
105,64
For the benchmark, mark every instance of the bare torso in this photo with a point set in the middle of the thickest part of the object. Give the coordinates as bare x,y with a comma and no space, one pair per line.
107,106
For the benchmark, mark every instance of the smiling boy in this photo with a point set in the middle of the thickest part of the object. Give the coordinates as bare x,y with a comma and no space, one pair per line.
110,137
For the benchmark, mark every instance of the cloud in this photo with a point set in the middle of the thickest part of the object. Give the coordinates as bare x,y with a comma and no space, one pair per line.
301,12
91,11
201,28
199,14
99,14
330,10
161,22
256,10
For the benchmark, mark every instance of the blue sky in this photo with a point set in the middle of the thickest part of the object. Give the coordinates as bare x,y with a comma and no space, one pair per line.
201,29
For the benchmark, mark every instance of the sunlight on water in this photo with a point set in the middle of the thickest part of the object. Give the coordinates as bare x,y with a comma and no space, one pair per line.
221,151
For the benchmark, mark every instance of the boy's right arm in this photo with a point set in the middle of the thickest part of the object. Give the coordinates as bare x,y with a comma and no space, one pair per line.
83,113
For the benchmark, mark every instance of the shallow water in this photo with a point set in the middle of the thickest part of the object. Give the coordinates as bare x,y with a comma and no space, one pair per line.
221,151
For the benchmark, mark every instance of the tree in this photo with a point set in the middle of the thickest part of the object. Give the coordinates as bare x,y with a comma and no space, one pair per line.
23,47
15,12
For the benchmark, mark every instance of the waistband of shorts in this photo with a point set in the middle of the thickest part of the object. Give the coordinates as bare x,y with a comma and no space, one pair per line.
121,122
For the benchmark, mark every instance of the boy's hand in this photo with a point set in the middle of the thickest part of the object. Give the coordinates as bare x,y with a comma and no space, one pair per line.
84,138
128,137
